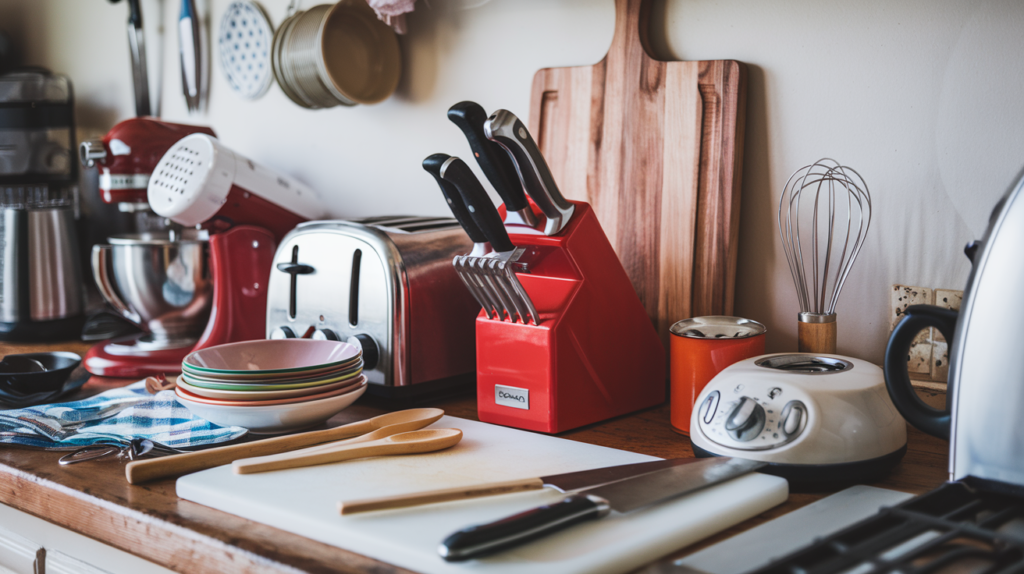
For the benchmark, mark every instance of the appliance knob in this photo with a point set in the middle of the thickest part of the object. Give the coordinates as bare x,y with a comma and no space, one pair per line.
325,335
792,417
371,352
710,407
282,333
746,420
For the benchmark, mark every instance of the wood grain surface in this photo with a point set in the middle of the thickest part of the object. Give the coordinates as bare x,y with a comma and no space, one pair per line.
656,148
150,521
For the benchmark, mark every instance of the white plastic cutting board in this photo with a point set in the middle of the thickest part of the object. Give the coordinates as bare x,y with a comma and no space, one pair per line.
304,501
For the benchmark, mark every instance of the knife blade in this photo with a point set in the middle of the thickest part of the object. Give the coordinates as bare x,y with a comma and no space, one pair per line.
592,503
496,163
563,482
504,128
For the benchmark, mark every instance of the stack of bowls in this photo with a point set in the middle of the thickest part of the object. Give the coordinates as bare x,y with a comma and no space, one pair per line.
271,386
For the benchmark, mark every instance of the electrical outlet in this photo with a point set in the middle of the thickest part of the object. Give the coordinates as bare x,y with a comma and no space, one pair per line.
928,358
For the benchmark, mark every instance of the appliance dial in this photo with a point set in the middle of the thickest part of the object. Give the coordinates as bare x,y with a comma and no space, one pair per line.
710,407
282,333
371,353
325,335
746,420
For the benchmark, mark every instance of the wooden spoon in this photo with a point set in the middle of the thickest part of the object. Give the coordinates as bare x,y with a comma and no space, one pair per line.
402,421
404,443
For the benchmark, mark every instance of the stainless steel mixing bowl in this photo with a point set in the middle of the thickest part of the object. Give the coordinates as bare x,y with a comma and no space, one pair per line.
163,284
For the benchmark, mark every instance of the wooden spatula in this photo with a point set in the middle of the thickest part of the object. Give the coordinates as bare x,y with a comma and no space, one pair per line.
140,471
404,443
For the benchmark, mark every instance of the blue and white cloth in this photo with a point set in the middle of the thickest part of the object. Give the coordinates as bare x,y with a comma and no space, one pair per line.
112,417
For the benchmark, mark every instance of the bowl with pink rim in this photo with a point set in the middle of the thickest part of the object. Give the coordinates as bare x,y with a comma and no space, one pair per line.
272,358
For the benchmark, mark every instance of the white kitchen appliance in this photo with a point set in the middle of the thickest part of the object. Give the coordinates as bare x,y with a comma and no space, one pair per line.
814,418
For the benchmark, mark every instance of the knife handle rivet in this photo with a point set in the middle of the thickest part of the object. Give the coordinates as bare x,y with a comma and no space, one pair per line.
522,133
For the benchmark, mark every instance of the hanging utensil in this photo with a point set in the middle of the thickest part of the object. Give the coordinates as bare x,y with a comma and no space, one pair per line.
835,238
137,48
243,44
193,56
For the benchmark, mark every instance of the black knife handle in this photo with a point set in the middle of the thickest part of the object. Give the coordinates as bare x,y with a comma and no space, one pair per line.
452,196
483,212
509,132
493,159
517,529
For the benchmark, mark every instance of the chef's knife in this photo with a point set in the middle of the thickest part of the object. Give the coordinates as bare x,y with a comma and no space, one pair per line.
505,128
192,57
432,165
622,496
564,482
495,161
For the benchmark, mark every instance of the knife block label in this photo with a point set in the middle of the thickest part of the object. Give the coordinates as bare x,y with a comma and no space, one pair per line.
512,397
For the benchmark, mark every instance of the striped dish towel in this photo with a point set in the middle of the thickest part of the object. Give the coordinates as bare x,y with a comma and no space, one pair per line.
112,417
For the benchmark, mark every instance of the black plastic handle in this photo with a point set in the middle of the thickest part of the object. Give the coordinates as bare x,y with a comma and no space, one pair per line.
917,318
483,212
517,529
493,159
432,165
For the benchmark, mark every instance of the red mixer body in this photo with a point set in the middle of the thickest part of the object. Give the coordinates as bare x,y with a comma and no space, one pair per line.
251,209
133,148
594,355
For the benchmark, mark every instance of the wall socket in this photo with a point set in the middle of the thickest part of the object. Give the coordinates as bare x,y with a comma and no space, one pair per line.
928,359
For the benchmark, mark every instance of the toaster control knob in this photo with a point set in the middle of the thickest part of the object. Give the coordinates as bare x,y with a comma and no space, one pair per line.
325,335
746,420
282,333
371,353
709,407
792,417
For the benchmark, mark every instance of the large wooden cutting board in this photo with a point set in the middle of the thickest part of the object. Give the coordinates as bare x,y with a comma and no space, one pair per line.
657,149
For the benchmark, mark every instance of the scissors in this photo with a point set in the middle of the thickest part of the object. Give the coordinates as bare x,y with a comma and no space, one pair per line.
132,449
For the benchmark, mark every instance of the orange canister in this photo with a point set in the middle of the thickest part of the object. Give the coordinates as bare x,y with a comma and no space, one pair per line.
700,348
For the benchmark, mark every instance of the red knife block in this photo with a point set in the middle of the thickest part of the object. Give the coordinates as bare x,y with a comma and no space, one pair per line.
594,355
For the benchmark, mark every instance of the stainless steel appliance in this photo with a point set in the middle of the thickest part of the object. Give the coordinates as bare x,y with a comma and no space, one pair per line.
41,295
386,284
975,523
814,418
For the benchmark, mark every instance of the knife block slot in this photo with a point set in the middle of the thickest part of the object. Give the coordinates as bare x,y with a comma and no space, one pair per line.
595,354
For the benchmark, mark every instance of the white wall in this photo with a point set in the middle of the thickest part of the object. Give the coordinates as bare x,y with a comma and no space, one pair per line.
922,97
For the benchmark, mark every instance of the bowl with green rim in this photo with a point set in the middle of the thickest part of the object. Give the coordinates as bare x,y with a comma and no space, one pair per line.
272,358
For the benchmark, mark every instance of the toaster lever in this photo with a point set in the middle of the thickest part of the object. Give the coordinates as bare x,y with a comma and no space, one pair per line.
294,268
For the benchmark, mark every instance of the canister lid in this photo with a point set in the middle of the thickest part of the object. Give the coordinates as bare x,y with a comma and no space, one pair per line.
717,327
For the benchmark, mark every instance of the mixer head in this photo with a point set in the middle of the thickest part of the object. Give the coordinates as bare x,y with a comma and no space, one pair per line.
128,153
200,181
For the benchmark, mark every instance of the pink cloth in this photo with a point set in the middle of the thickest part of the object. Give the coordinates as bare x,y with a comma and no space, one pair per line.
392,12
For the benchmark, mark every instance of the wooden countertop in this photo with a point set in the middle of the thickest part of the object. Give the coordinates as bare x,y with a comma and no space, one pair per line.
150,521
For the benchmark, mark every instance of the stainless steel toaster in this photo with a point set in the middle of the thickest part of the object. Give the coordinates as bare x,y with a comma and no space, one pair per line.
386,284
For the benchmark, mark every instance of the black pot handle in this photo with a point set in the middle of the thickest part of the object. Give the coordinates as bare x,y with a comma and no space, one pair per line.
917,318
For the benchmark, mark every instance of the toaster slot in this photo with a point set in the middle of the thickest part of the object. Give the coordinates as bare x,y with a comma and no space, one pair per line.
353,288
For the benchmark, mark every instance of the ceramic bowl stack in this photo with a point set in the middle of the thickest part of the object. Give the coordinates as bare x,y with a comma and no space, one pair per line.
271,386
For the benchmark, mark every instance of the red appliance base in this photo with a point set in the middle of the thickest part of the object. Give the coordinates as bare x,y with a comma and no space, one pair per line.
595,354
124,357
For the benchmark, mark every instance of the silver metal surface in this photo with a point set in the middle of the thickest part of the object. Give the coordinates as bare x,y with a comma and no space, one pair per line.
91,150
163,285
40,276
986,380
717,327
406,290
193,58
497,284
806,363
828,245
632,493
55,277
504,128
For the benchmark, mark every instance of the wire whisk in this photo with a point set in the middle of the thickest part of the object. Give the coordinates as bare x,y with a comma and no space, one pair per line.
820,258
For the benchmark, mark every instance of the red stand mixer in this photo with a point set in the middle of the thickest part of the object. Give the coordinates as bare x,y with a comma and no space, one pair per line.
207,283
562,340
